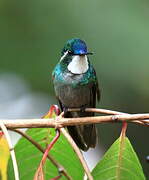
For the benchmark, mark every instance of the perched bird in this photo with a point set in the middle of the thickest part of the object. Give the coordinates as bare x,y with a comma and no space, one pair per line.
76,86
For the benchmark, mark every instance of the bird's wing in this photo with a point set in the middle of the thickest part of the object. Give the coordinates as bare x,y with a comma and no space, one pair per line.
95,92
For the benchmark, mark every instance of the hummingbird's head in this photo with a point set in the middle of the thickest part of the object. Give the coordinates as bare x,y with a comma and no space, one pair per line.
74,55
75,46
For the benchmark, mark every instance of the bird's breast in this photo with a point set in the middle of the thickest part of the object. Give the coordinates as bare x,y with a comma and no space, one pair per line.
74,90
73,96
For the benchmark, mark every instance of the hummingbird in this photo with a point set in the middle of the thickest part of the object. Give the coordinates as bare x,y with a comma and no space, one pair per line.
76,86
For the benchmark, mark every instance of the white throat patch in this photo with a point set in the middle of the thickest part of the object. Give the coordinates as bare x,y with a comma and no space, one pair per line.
78,65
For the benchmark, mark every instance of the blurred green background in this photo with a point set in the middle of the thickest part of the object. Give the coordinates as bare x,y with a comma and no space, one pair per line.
33,32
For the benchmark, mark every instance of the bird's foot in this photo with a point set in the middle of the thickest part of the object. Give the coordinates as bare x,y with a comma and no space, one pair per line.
82,108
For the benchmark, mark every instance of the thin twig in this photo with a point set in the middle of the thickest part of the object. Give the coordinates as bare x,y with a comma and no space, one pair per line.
39,173
142,119
60,168
96,110
53,123
77,151
106,111
14,161
50,146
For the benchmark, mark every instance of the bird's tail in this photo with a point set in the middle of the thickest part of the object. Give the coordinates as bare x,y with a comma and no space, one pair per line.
85,136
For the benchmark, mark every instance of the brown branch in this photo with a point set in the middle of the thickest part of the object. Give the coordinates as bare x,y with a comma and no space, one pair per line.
97,110
106,111
78,152
12,152
141,119
76,149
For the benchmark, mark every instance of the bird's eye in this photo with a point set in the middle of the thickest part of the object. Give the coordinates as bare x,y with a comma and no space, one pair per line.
70,52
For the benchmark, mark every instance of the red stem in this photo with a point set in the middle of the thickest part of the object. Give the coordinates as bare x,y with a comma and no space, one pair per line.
124,128
50,146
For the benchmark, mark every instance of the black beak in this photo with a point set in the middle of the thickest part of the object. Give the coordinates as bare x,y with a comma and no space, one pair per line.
88,53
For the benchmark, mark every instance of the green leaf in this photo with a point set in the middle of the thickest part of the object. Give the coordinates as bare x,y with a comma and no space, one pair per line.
119,163
28,156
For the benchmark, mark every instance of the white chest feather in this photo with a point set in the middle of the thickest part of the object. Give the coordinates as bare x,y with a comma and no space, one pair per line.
78,65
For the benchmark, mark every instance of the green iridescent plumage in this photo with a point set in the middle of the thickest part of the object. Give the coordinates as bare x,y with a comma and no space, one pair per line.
89,76
77,90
